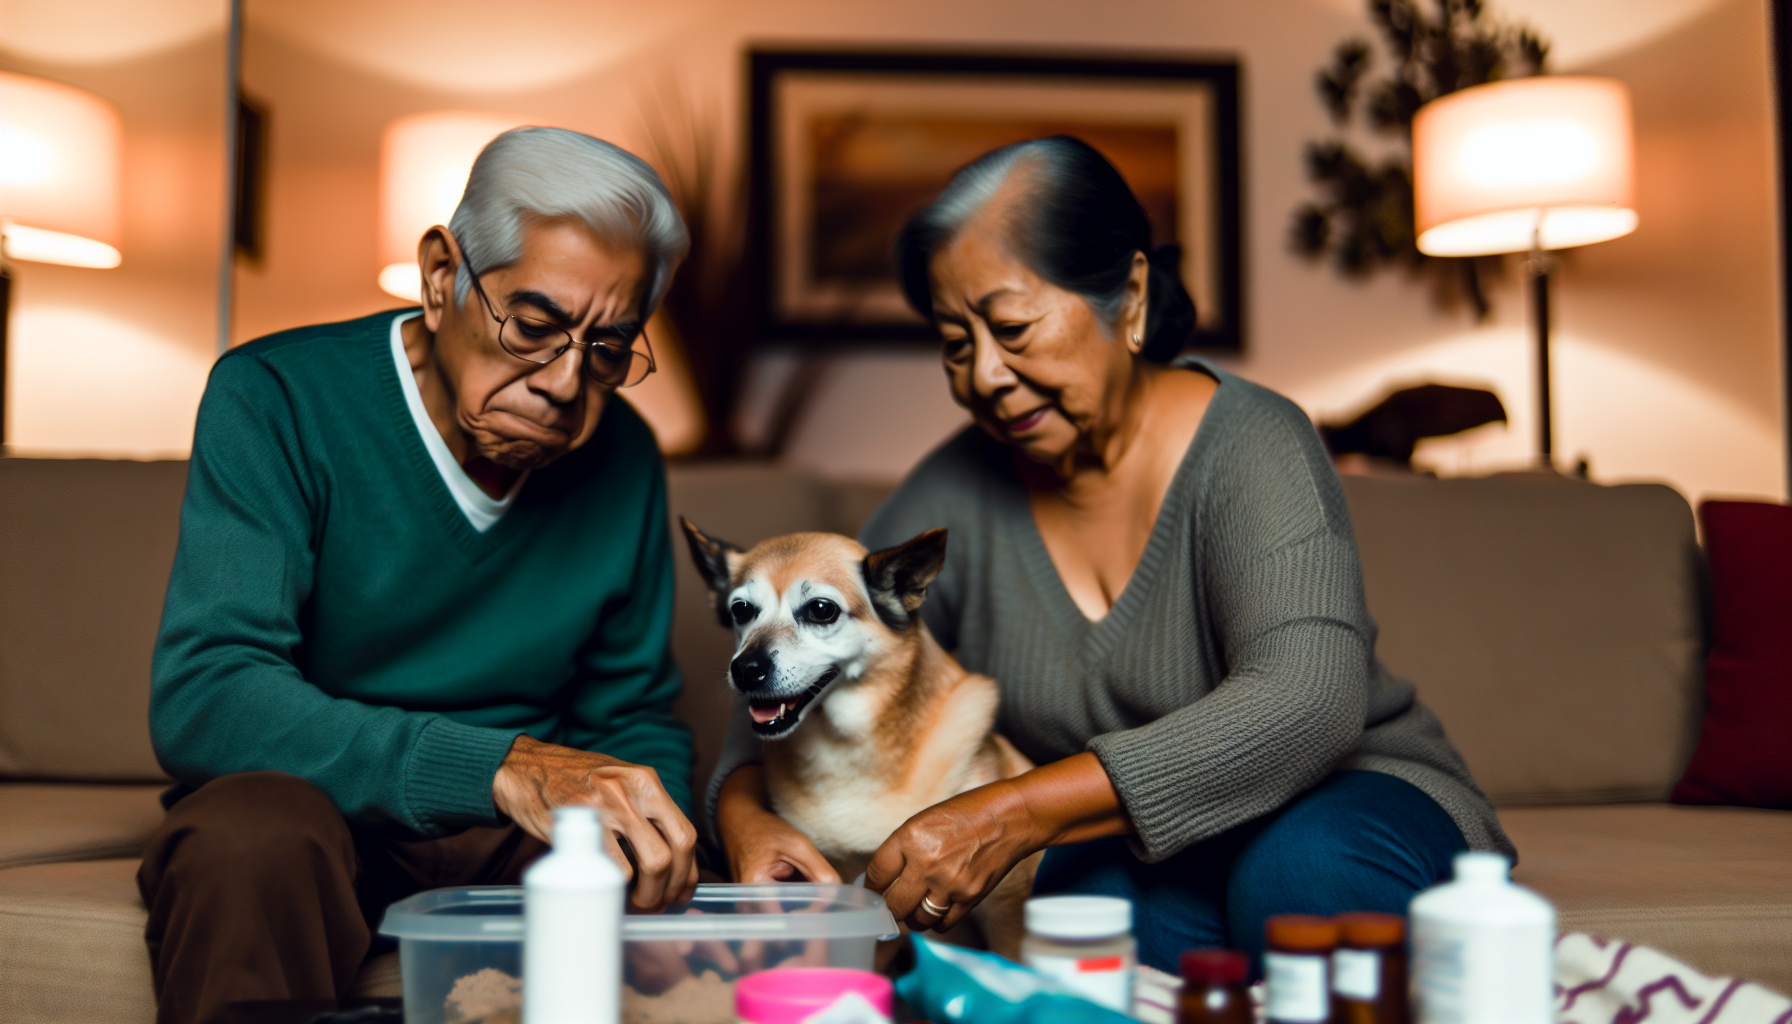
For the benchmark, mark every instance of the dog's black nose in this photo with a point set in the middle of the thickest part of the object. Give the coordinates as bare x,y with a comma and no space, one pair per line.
751,671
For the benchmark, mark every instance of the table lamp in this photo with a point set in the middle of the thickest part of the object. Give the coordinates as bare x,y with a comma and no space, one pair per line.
1527,165
424,163
59,184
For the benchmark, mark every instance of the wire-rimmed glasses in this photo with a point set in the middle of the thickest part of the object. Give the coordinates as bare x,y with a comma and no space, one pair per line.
612,363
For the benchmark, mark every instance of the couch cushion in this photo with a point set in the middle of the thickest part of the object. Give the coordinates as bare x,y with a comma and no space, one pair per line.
44,822
1741,757
72,950
85,550
71,945
1708,885
1554,626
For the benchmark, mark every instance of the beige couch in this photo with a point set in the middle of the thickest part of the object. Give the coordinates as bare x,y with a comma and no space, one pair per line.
1555,626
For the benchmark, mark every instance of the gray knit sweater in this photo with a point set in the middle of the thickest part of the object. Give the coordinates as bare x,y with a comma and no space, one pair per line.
1236,670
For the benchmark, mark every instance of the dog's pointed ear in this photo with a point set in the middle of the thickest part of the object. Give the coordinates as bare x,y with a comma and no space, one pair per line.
715,561
898,577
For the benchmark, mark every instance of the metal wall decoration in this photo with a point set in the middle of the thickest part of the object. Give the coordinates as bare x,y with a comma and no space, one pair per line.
248,219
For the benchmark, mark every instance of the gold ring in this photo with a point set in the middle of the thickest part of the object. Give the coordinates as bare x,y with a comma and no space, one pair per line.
933,908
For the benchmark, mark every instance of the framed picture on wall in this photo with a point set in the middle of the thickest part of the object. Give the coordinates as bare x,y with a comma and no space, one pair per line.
844,146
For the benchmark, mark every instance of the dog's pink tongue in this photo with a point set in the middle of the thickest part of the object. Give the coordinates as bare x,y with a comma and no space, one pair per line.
764,715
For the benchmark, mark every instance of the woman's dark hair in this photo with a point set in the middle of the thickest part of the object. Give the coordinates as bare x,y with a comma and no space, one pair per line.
1077,227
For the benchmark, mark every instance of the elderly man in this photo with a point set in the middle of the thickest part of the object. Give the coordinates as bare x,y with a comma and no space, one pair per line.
423,593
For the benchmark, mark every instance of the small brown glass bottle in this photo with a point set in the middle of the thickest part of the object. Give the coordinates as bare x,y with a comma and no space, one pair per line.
1214,989
1369,970
1297,964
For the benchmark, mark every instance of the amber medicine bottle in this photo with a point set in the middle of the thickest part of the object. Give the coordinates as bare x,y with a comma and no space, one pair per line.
1214,989
1297,963
1369,970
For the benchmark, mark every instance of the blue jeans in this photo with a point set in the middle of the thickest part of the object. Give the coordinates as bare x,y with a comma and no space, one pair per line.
1358,841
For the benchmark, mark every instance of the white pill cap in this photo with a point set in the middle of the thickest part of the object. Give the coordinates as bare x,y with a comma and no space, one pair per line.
1482,866
577,829
1078,917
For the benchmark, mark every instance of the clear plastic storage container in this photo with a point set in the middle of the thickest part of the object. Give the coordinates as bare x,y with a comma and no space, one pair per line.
461,950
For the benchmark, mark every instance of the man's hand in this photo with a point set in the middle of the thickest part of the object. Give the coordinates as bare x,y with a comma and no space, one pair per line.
761,846
646,833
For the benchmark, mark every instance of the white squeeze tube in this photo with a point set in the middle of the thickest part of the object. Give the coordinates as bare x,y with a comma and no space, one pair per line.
572,927
1483,949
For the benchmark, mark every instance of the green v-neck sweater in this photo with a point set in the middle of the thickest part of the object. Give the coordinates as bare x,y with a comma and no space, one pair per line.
334,616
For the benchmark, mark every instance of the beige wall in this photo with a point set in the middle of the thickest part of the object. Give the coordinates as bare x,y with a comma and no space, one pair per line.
335,74
112,362
1668,355
1667,342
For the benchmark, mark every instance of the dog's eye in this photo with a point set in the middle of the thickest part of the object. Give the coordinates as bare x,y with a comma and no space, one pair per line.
821,611
743,612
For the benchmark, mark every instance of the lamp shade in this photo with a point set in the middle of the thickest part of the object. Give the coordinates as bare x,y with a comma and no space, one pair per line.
424,163
1548,159
59,177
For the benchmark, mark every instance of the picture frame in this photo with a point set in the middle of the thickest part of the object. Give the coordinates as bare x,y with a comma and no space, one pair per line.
845,144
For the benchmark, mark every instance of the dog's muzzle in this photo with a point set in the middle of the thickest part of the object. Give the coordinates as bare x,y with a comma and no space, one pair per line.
775,717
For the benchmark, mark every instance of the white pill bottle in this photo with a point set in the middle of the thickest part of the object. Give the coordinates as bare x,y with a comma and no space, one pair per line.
1483,949
572,927
1086,943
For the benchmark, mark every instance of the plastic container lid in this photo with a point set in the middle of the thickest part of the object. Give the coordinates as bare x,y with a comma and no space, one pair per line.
1301,932
789,995
1078,917
1366,930
1481,866
720,911
1214,966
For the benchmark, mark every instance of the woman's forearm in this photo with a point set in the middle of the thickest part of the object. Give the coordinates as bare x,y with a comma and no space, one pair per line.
742,796
1068,801
761,846
1071,801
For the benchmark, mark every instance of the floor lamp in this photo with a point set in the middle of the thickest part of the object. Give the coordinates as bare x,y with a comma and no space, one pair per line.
59,189
1527,165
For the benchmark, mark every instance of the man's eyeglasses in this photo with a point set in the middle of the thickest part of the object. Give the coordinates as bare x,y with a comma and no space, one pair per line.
611,358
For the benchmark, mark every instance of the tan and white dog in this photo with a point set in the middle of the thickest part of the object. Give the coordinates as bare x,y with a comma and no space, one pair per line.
868,721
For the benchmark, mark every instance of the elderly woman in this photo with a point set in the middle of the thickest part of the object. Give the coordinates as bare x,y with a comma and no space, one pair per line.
1155,562
423,593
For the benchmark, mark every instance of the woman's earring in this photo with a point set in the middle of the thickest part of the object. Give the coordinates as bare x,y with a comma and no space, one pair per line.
1137,343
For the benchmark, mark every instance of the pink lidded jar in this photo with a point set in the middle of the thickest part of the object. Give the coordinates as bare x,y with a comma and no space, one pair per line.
792,995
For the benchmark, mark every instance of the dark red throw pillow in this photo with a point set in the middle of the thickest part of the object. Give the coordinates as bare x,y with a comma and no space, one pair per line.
1744,754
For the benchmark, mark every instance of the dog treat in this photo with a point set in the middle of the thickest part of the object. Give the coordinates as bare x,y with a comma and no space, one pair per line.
699,999
488,996
492,997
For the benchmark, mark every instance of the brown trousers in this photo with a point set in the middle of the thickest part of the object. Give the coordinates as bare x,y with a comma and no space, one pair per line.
258,889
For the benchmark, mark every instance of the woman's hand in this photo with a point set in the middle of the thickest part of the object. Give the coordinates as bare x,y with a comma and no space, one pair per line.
943,861
761,846
953,854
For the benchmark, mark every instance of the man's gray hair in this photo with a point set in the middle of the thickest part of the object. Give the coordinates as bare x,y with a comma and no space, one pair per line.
553,172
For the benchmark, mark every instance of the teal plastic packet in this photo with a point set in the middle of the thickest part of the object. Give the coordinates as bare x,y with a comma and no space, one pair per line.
947,984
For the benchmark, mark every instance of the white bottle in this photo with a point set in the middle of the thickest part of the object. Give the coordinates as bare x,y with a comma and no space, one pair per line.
1483,949
572,927
1086,943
